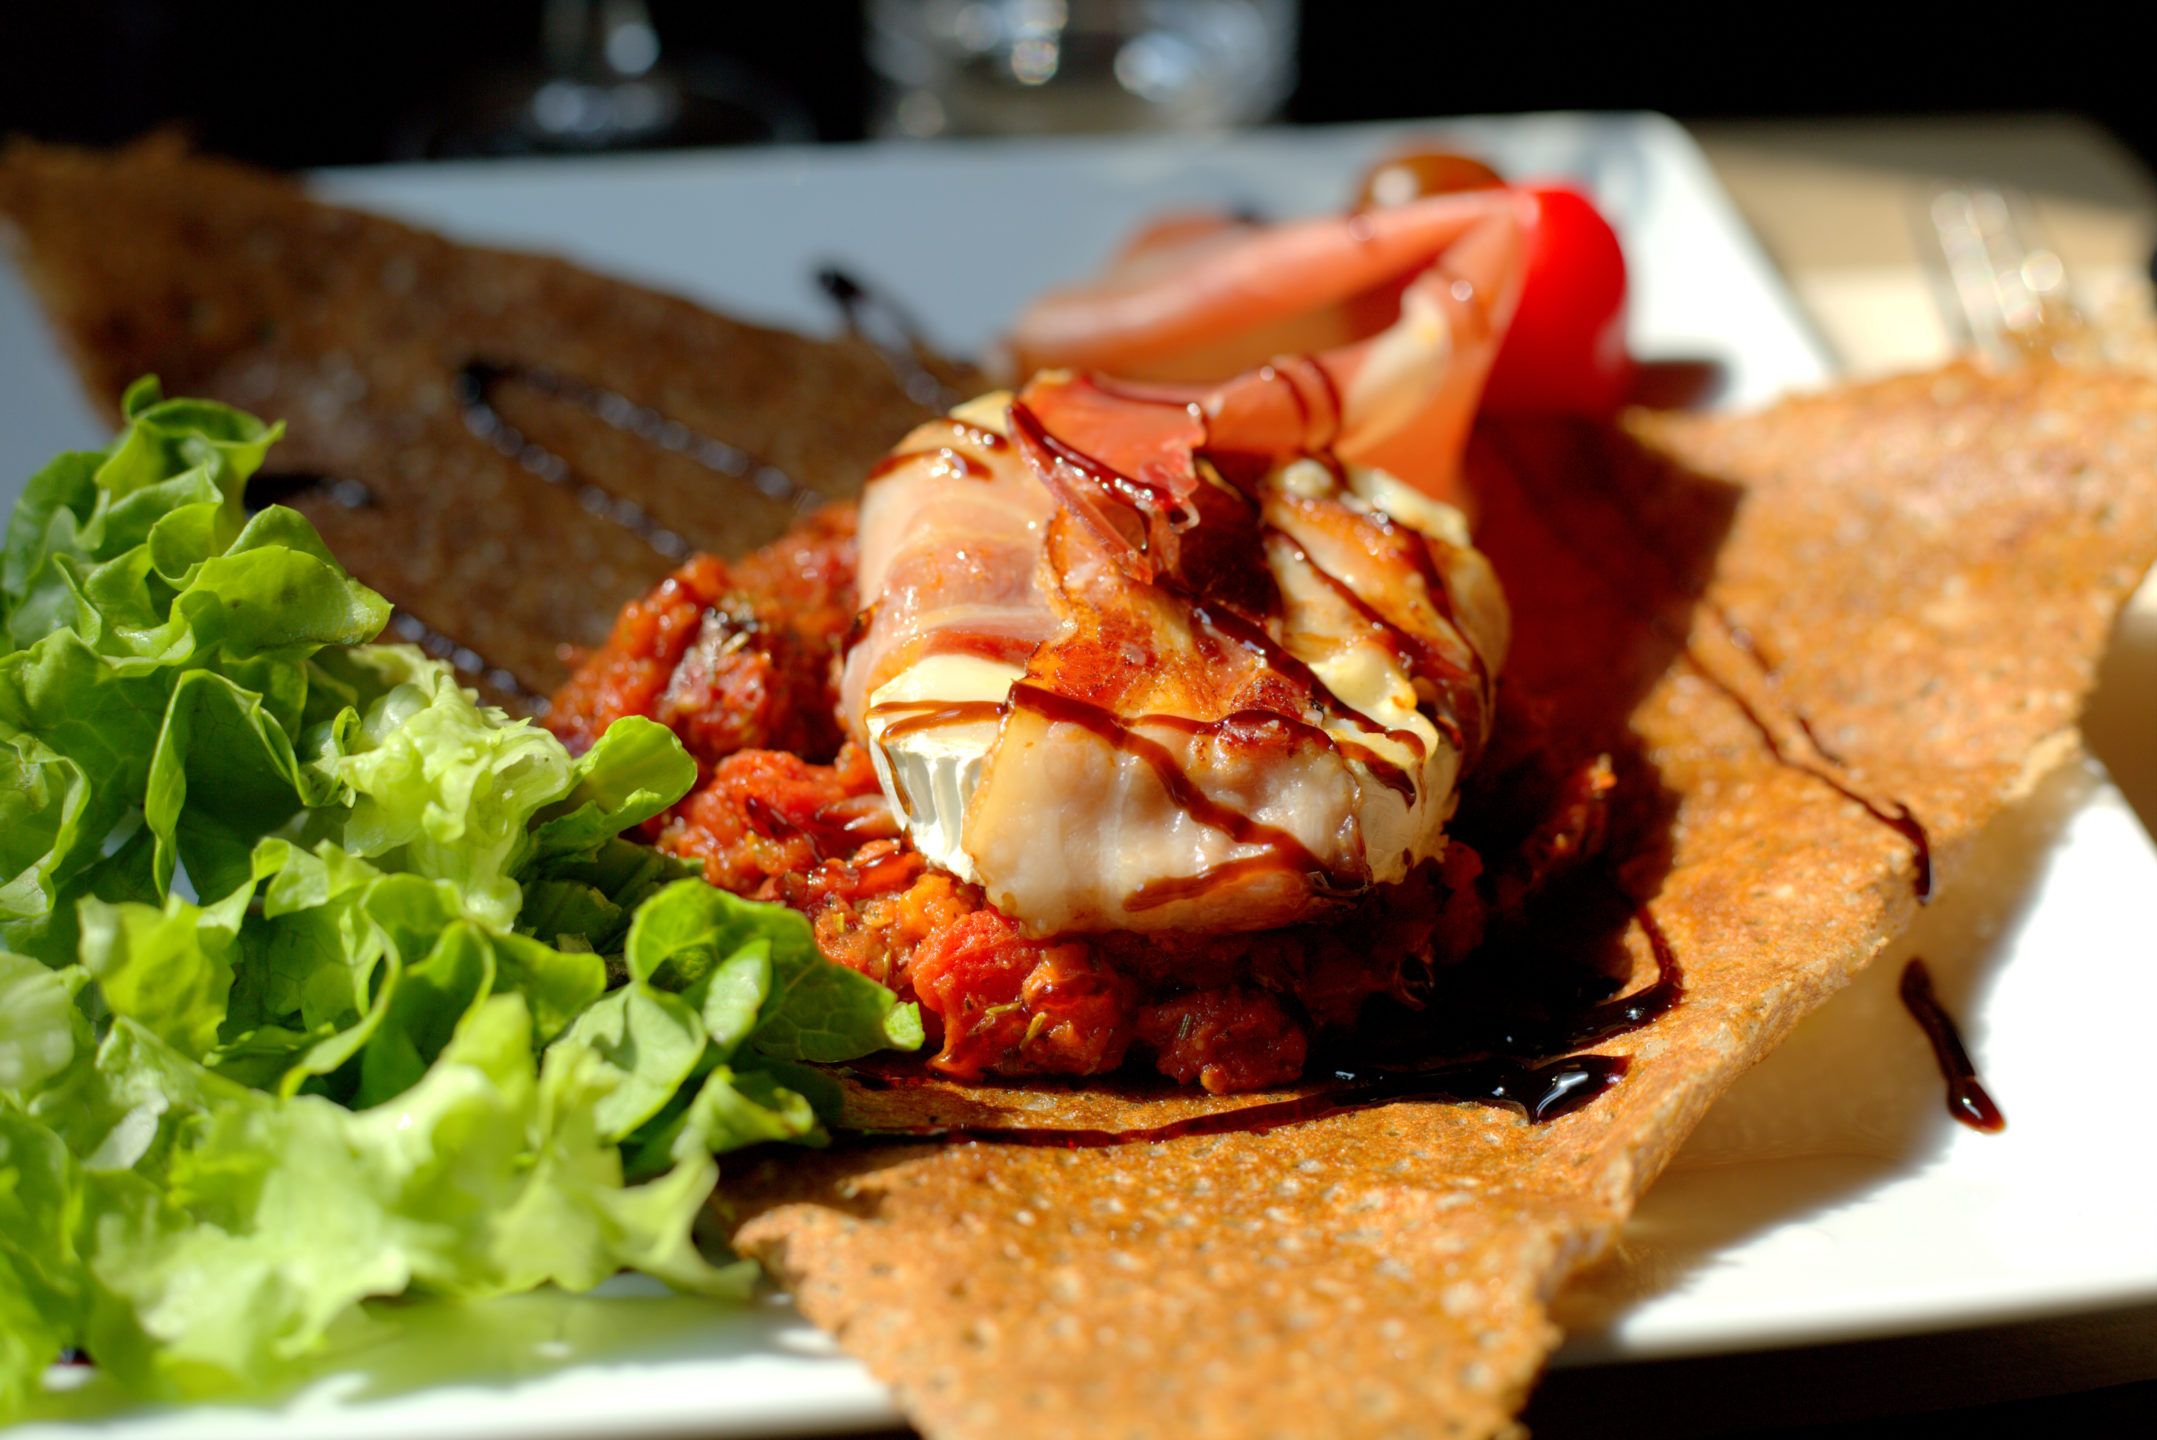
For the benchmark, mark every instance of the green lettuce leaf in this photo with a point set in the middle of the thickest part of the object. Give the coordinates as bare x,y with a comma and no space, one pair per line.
595,898
558,985
635,771
151,633
446,788
733,996
815,1010
169,969
728,1111
89,508
647,1042
223,774
43,1304
48,521
41,1029
305,954
229,1244
76,737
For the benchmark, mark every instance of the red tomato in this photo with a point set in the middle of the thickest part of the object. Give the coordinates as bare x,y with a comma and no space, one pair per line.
1566,349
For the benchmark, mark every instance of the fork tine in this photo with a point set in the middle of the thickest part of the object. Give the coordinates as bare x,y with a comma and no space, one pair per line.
2000,290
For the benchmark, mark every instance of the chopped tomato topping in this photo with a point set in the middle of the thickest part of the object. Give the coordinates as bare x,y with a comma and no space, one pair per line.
1011,1004
737,659
1231,1039
730,657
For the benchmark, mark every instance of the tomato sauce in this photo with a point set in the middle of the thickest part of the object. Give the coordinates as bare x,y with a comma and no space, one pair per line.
739,659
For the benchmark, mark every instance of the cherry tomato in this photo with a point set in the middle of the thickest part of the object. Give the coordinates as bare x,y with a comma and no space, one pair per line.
1566,349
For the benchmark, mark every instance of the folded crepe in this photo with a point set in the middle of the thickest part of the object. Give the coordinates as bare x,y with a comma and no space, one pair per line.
505,445
1820,647
1823,645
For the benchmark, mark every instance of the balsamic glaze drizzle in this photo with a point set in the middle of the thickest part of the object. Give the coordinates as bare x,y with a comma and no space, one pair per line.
1528,1067
1541,1092
1283,849
1967,1099
1893,814
282,487
881,321
1769,668
1422,659
474,389
473,386
1599,1022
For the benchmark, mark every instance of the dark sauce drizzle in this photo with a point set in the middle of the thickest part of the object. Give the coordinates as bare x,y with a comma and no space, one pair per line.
918,715
282,487
1067,710
1224,621
1540,1092
1764,661
914,716
886,326
1422,660
1527,1069
1253,637
1967,1099
474,388
1143,497
1599,1022
1292,372
1893,814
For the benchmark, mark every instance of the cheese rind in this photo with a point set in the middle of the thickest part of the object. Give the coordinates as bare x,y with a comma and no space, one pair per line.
930,773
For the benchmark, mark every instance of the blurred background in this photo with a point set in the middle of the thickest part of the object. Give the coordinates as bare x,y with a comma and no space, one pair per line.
302,85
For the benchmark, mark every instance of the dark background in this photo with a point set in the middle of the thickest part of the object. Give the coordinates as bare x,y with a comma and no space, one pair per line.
294,84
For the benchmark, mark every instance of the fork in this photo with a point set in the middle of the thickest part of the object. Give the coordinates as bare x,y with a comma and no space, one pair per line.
1999,288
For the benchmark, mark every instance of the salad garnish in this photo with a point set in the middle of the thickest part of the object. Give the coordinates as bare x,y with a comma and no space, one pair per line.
321,981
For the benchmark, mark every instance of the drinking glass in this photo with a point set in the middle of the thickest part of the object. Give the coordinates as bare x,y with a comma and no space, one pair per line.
1004,67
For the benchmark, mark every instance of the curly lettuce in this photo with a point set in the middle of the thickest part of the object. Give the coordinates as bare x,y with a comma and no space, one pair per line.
305,955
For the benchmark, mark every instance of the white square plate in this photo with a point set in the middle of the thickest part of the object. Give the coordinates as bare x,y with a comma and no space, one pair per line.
1827,1197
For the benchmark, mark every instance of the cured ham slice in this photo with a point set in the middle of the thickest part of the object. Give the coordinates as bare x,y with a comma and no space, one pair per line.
1403,308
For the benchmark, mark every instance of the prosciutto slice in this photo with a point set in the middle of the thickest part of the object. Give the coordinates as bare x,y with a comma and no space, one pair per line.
1402,308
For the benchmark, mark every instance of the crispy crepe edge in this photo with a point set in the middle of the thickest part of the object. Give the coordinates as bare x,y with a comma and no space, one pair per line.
1917,583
